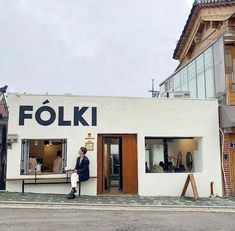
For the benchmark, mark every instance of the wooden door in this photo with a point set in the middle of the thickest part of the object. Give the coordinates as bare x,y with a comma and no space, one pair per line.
232,164
100,185
129,164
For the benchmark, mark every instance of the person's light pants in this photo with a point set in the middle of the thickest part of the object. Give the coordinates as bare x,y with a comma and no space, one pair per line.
74,179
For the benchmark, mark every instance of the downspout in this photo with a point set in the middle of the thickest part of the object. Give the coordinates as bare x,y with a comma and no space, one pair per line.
222,164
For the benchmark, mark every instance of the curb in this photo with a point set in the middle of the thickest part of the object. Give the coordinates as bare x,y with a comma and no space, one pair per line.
113,207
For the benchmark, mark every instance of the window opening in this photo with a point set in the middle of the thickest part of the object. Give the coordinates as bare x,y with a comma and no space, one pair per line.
43,156
169,155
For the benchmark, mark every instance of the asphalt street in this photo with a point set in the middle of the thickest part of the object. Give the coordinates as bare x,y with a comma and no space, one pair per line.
15,219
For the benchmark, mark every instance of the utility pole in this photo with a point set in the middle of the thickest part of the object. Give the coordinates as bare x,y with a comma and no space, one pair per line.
153,91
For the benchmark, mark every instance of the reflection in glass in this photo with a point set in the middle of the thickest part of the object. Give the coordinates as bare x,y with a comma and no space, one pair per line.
200,77
209,73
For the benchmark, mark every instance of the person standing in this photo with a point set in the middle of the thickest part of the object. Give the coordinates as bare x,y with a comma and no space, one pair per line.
80,172
57,163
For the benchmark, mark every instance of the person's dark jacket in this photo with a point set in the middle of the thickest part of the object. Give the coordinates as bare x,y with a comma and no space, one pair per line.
83,168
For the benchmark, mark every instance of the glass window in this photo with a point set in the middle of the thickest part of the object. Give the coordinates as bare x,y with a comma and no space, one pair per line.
171,84
204,77
219,70
192,83
177,82
200,77
167,155
209,73
184,79
167,86
43,156
162,88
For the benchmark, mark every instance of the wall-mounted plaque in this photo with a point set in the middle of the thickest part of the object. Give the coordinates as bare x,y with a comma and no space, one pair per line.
89,146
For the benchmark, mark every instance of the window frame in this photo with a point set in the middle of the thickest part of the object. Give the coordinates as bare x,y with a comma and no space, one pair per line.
25,149
182,149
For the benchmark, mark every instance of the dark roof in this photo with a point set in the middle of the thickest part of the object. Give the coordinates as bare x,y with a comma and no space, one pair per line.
197,5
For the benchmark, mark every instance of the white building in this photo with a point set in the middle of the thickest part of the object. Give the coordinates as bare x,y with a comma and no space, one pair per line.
127,138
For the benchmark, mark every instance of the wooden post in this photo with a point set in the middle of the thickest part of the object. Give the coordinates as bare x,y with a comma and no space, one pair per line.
22,186
212,189
190,177
79,190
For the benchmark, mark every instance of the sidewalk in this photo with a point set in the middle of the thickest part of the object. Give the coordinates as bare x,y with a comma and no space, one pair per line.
116,202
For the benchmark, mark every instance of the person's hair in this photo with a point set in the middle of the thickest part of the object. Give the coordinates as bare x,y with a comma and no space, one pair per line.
84,150
59,153
170,163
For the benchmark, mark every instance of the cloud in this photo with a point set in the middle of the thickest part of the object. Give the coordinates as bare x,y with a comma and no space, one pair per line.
104,47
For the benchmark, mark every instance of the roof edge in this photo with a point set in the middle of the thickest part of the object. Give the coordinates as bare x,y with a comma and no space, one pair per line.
197,5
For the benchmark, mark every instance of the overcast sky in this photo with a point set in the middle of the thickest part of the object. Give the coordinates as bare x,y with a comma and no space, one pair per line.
89,47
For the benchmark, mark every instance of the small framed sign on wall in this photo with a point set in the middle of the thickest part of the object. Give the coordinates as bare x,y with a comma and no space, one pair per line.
89,146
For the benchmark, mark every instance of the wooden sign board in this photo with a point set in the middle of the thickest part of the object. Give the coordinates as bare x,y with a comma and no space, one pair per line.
191,179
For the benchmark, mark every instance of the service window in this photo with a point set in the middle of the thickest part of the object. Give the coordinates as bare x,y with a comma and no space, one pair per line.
43,156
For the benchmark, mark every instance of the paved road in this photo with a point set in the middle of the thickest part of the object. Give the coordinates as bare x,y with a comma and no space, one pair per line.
12,219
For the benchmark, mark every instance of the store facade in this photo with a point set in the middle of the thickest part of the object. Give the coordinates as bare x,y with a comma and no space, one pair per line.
135,145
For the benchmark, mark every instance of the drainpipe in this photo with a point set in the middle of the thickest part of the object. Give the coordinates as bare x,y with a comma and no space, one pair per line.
222,165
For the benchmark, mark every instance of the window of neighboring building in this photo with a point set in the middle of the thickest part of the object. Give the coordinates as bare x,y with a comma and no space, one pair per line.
184,79
200,77
167,86
43,156
172,84
177,82
209,73
219,69
204,76
192,83
162,88
167,155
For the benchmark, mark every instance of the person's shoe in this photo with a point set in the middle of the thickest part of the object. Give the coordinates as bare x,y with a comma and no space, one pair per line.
73,190
71,196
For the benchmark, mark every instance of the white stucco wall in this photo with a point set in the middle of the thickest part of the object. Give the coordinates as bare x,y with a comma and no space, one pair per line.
141,116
